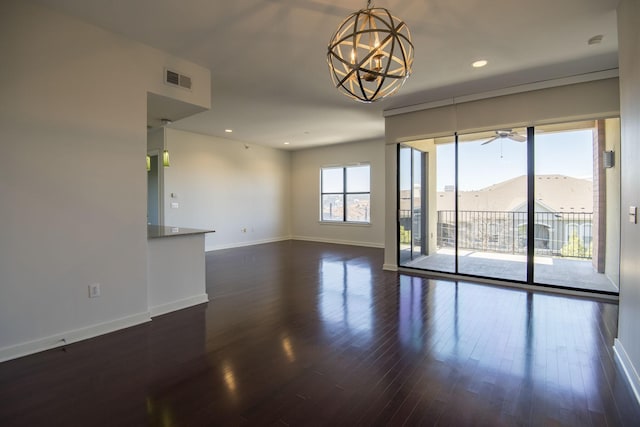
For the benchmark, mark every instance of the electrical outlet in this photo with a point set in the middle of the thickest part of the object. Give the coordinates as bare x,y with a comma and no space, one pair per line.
94,290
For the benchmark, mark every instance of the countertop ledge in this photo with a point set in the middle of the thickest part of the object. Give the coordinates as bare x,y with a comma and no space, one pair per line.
157,231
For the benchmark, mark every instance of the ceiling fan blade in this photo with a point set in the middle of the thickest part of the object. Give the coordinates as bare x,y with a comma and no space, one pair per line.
517,137
490,140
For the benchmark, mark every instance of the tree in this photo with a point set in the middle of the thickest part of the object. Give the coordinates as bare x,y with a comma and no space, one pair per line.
574,247
405,235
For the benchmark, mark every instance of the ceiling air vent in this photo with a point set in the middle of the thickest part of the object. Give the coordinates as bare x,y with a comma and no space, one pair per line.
176,79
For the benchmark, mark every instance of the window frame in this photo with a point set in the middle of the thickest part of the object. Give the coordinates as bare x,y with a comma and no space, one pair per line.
344,195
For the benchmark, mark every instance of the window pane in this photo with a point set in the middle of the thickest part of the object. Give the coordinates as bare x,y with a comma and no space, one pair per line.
427,202
358,179
575,196
332,207
492,204
406,205
445,206
332,181
358,207
419,193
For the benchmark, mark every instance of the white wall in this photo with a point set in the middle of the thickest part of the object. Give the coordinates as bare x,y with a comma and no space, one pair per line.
305,184
176,269
227,186
628,342
155,140
72,176
612,256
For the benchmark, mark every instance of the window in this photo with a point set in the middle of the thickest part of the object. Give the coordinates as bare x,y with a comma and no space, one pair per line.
345,194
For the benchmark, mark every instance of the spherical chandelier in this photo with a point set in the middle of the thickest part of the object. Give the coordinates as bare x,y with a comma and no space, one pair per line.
370,55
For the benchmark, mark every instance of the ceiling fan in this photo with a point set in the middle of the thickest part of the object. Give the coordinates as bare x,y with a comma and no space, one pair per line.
506,133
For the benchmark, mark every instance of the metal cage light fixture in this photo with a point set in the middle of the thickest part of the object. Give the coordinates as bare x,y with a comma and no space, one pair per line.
370,55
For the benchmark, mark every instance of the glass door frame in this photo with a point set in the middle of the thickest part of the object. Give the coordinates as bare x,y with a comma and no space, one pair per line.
531,212
422,223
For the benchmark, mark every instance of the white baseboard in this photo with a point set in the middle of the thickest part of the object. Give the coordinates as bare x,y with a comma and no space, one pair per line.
390,267
627,366
178,305
209,248
339,242
68,337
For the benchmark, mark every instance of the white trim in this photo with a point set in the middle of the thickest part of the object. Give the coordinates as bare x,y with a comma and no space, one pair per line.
390,267
178,305
339,242
347,223
627,366
343,165
68,337
545,84
209,248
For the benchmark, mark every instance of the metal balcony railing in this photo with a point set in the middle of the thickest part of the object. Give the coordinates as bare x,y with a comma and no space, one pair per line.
566,234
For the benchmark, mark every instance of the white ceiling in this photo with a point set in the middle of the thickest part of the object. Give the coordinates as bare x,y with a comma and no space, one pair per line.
270,81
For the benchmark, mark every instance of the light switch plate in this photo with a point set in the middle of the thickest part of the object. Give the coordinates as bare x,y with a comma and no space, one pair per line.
633,214
175,205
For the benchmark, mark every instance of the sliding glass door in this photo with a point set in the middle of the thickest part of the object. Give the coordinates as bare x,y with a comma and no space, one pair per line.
426,223
529,205
409,199
492,204
576,215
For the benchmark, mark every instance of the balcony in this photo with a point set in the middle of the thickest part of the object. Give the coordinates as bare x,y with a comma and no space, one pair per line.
564,234
494,244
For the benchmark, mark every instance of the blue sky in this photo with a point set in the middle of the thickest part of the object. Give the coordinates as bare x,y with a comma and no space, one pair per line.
563,153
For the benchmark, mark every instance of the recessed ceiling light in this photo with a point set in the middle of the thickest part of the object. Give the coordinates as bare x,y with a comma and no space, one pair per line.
595,39
287,143
228,130
480,63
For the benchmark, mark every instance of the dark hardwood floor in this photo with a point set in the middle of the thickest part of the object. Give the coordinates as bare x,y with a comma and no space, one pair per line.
300,333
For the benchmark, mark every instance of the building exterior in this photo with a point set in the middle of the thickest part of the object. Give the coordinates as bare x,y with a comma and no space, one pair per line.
494,218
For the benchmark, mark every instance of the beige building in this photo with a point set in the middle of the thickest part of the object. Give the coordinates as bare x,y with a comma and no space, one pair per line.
554,193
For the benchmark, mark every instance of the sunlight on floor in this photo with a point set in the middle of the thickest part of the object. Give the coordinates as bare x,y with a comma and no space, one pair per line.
570,272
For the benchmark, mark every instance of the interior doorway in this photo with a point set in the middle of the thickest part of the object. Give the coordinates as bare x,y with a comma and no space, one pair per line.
153,192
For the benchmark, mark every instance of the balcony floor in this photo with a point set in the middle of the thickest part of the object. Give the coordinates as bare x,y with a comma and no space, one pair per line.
573,273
